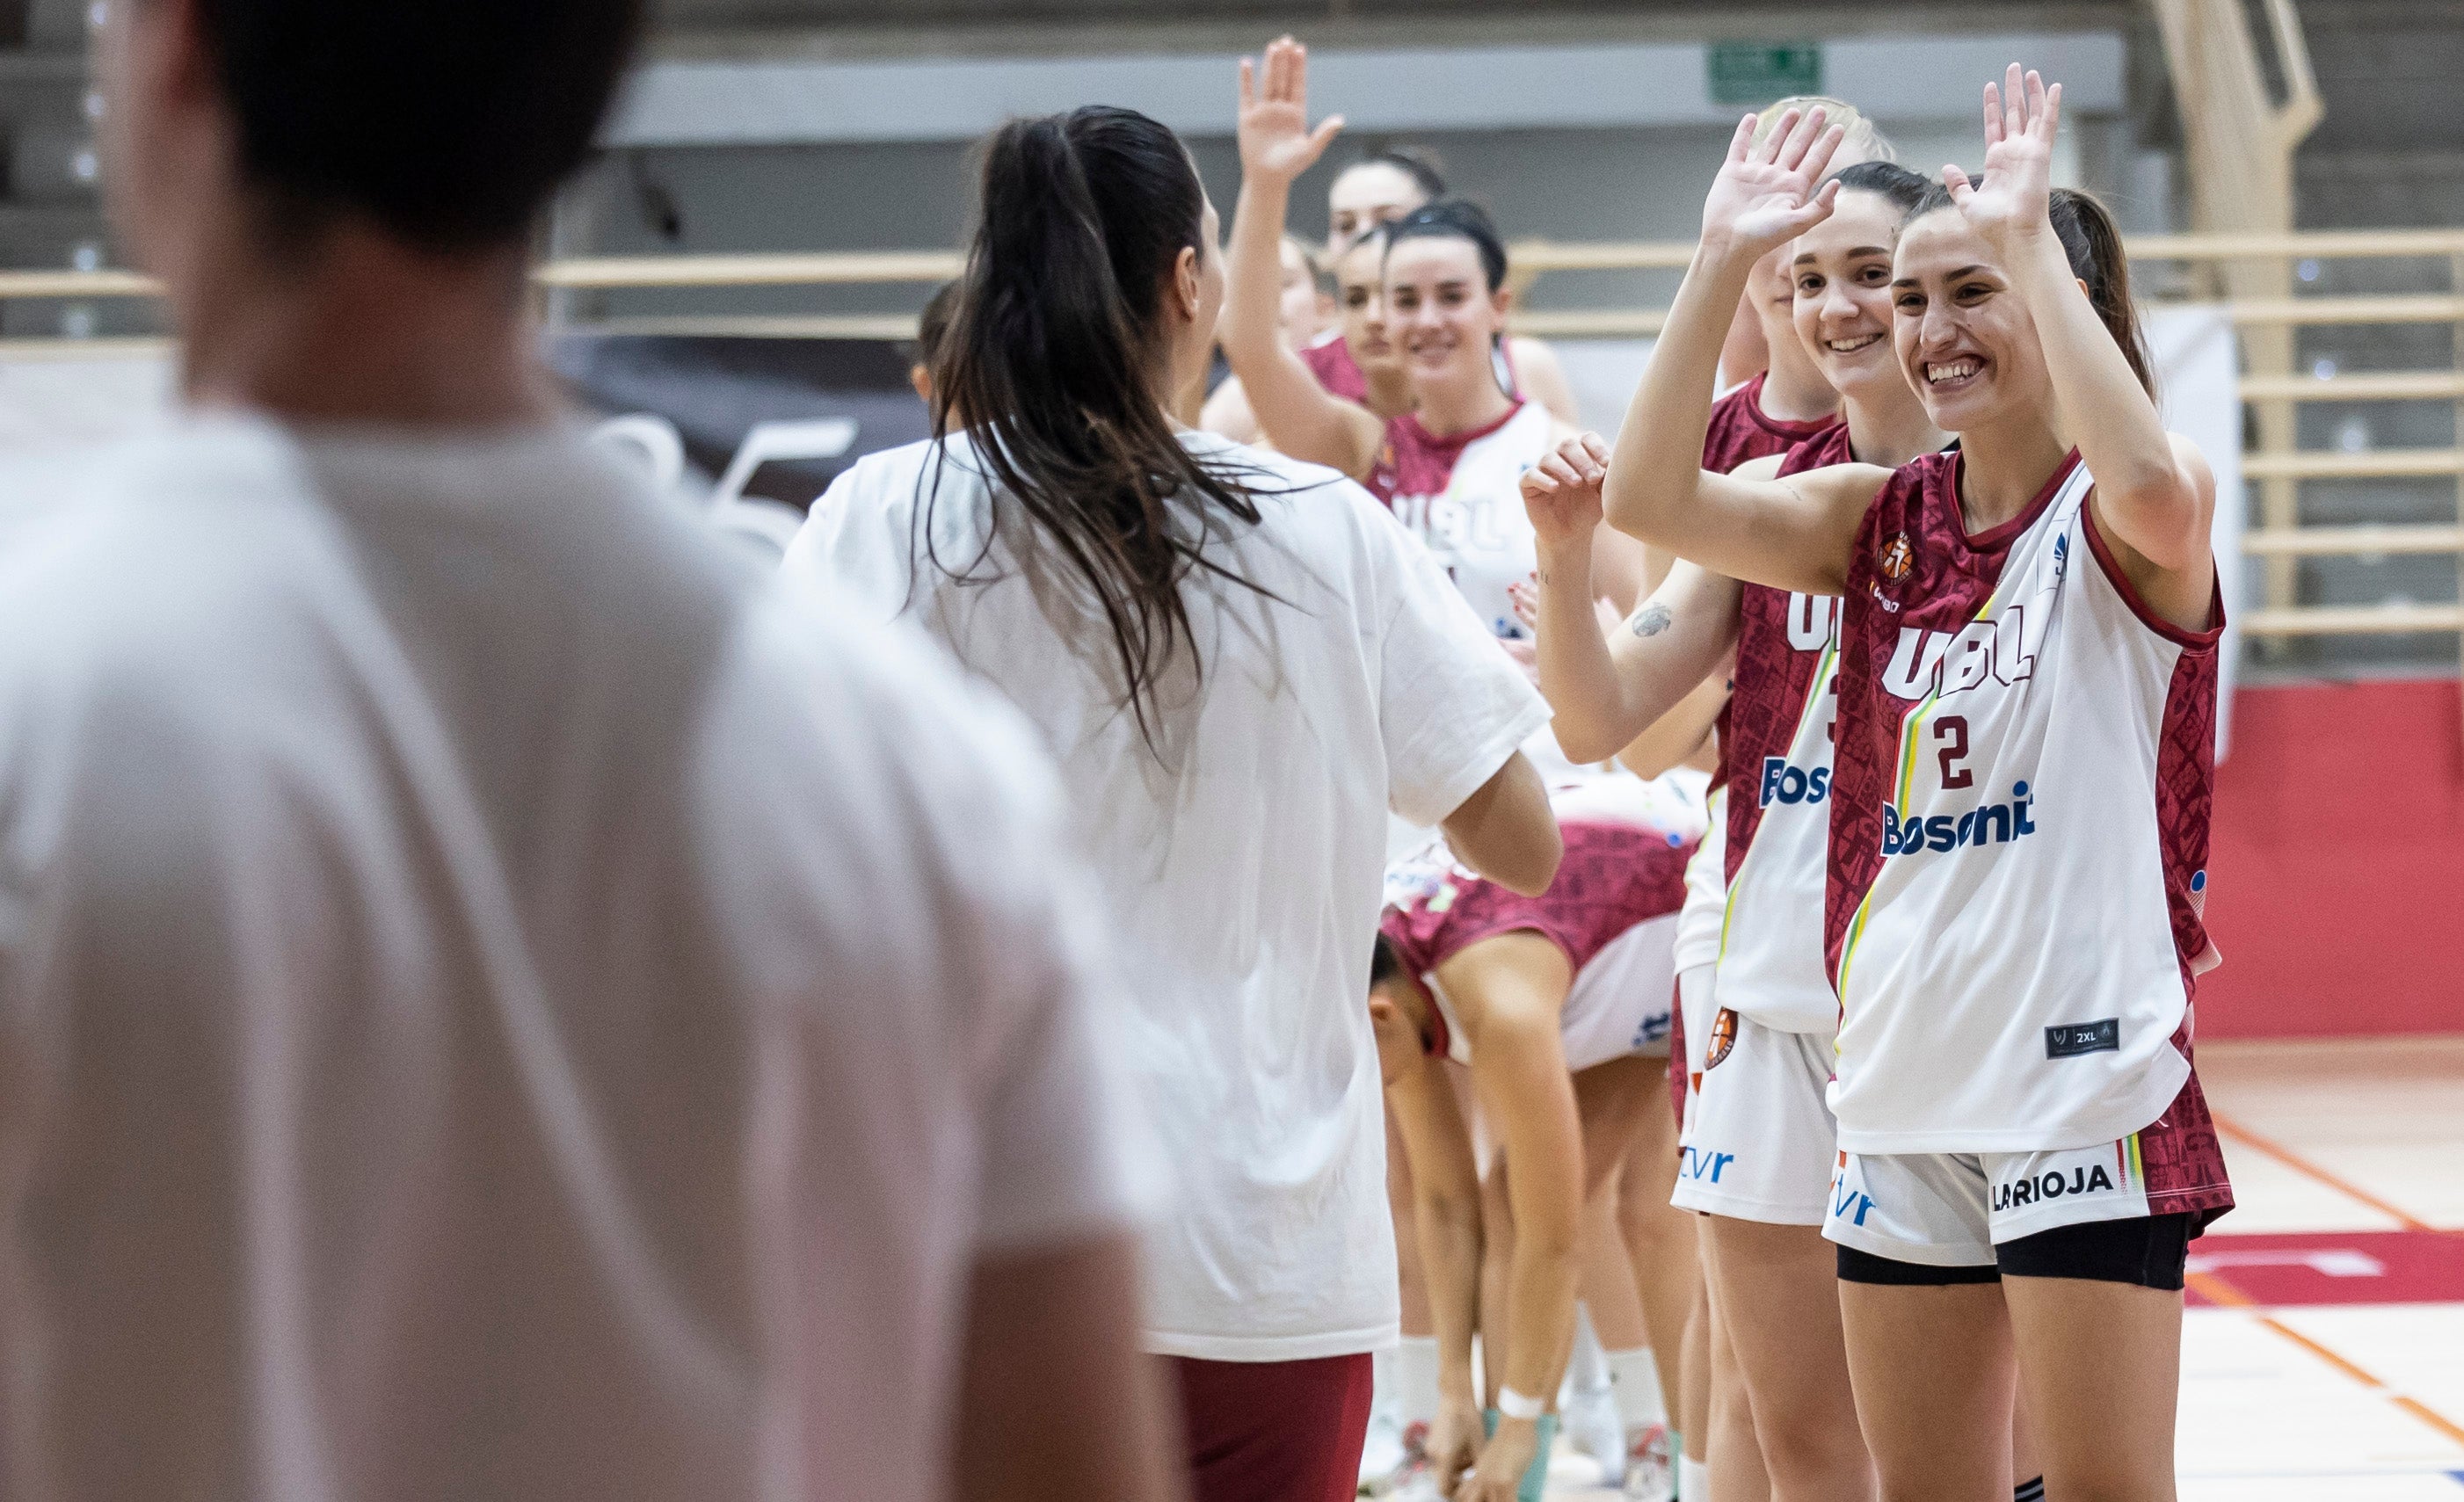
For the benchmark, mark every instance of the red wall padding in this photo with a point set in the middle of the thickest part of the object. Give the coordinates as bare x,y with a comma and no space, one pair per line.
2337,875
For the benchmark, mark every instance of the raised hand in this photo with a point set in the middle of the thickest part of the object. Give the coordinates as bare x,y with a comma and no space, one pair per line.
1276,140
1561,494
1767,195
2021,118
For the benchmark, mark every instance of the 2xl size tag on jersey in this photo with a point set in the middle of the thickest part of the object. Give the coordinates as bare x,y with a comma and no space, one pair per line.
2071,1040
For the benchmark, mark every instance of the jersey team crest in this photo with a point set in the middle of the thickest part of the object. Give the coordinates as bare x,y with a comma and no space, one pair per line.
1724,1037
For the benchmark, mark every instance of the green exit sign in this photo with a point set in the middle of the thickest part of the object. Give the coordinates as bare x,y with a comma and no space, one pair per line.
1747,73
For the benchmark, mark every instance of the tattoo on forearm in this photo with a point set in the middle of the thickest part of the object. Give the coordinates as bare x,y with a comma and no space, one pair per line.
1652,620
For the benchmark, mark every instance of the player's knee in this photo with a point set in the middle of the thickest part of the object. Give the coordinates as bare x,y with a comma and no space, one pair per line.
1651,1226
1814,1449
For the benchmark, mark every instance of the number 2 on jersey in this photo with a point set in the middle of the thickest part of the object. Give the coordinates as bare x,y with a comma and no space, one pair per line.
1952,731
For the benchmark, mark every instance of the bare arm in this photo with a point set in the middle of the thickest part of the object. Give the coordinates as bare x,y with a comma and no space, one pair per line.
1677,735
1618,688
2154,494
1056,1402
1792,534
1506,832
1607,691
1276,145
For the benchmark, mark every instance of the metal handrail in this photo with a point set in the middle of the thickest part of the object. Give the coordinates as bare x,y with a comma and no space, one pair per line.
1538,257
1535,257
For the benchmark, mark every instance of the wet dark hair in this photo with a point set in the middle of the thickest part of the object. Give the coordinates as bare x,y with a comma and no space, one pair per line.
1426,169
2092,242
1052,354
1455,219
1384,964
1903,189
449,122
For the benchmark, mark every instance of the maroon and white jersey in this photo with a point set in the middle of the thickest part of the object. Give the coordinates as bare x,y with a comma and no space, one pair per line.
2018,829
1741,430
1776,749
1613,910
1461,495
1330,361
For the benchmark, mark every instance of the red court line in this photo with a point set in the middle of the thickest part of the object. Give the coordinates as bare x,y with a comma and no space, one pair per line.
2311,1170
2216,1291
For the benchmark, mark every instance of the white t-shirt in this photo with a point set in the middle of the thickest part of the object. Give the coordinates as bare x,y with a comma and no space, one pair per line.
495,999
1243,855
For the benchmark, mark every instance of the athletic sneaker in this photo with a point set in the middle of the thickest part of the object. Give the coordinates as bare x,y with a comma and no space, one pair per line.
1382,1453
1650,1469
1593,1427
1407,1477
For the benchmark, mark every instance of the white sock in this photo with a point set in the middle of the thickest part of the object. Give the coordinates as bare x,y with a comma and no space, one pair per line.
1693,1479
1636,1375
1587,1370
1415,1380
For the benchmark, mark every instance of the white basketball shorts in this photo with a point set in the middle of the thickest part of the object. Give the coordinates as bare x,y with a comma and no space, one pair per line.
1759,1142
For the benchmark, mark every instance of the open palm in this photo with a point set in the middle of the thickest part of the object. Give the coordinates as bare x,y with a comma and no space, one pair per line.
1770,192
1276,140
2021,118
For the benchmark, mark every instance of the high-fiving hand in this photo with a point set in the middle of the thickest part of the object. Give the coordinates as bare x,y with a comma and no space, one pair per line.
1276,140
2013,201
1769,193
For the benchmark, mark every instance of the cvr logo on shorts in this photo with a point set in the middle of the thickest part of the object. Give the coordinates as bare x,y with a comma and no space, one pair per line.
2050,1184
1696,1163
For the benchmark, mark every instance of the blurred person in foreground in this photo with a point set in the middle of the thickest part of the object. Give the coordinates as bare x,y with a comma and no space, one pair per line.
495,1001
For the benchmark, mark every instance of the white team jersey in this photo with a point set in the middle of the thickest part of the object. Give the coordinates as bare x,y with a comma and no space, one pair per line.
1464,502
1470,513
2024,765
1706,889
1770,933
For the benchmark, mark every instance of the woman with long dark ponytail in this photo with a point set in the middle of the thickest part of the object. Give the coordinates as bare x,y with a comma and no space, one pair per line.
1241,662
